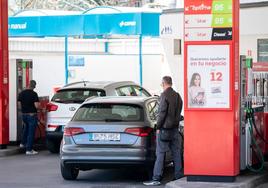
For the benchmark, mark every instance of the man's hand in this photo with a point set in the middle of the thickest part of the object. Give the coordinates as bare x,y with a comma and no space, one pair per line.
37,105
19,105
157,131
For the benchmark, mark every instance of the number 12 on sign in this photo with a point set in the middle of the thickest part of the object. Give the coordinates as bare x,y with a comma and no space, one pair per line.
216,76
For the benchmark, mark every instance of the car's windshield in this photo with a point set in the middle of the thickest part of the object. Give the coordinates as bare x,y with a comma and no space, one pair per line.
76,95
109,112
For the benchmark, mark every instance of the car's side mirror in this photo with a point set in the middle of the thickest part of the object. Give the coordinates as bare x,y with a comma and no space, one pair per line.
181,118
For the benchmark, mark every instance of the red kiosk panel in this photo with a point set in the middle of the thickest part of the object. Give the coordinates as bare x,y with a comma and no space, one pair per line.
211,88
4,114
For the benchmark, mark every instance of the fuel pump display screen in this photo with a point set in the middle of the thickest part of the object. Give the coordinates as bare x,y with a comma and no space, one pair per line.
208,76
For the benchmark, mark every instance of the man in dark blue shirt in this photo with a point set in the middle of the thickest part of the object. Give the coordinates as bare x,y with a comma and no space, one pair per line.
29,102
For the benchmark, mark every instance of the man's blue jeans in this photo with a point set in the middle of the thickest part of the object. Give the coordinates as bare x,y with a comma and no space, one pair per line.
161,148
30,123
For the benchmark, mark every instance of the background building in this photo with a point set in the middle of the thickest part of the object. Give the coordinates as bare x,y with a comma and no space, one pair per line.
252,1
82,5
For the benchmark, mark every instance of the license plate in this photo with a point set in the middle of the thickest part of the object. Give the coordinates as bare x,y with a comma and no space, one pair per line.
104,136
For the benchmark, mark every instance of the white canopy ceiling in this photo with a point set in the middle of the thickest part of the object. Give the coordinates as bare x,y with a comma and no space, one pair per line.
252,1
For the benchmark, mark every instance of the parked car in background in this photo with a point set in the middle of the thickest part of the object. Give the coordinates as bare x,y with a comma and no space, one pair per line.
67,100
110,132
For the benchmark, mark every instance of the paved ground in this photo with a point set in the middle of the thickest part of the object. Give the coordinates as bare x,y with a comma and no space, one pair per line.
246,179
263,186
42,171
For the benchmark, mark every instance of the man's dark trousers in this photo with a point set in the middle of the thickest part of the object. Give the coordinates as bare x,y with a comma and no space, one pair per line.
162,147
30,123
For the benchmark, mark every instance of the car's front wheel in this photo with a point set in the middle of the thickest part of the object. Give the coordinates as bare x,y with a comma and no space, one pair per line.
69,173
53,147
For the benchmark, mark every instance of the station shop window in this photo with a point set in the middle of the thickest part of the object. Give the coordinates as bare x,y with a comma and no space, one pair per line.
262,50
177,46
138,3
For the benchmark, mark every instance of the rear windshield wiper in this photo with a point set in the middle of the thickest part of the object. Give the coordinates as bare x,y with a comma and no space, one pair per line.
112,120
58,101
71,101
78,101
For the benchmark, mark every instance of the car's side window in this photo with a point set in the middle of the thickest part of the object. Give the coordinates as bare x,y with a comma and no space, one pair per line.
153,110
132,91
139,91
124,91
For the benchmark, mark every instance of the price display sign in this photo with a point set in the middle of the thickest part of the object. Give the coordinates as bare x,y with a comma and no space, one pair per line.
208,20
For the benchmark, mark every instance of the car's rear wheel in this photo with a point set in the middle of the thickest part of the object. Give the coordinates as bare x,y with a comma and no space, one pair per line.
69,173
53,147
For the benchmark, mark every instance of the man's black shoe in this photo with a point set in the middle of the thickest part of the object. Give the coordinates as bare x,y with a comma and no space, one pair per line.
152,183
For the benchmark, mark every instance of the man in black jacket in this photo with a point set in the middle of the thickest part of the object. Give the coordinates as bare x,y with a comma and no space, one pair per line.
169,113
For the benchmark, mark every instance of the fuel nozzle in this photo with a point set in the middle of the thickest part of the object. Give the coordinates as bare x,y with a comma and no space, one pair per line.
248,107
248,103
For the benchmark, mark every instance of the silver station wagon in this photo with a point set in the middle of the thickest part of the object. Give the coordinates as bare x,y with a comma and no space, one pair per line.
110,132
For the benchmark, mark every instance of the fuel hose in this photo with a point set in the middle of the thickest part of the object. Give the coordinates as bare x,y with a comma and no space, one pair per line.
255,147
257,131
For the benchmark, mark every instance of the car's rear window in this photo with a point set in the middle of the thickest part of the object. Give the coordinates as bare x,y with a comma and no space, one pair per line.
109,112
76,95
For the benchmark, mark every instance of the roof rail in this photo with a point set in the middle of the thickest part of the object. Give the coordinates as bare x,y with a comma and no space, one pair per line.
80,82
118,82
89,98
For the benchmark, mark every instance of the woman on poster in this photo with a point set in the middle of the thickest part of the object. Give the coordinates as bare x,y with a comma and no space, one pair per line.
196,92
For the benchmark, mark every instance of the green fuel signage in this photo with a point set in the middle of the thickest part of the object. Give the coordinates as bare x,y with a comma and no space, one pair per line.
222,20
222,7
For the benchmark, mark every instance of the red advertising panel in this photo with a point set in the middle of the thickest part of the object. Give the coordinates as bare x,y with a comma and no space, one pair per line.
211,95
4,101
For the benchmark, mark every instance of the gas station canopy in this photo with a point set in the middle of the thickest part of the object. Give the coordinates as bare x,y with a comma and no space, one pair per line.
96,24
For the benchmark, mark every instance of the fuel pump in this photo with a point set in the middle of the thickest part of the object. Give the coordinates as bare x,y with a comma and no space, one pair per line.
20,75
24,75
254,153
252,142
260,76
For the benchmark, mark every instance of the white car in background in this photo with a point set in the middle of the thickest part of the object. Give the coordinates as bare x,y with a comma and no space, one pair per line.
69,98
